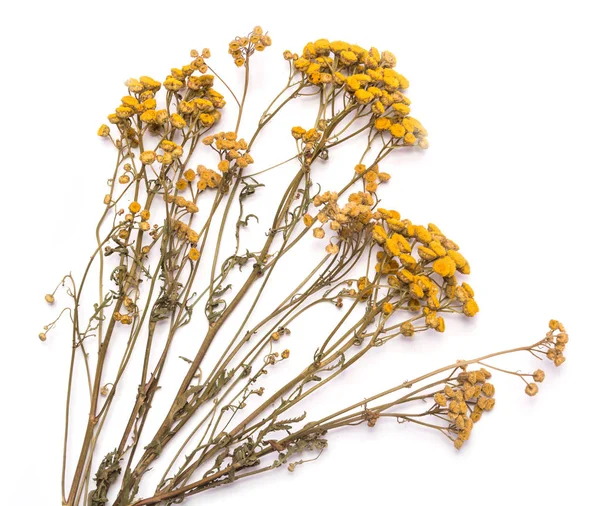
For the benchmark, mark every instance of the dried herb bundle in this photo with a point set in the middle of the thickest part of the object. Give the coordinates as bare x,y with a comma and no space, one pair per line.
388,277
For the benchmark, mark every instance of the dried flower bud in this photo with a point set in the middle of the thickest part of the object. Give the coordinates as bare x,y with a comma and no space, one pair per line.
148,157
42,336
407,329
49,298
539,375
559,360
440,399
488,389
531,389
319,233
332,249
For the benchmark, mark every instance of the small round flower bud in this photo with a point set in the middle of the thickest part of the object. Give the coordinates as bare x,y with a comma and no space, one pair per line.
49,298
531,389
332,249
539,375
42,336
126,319
440,399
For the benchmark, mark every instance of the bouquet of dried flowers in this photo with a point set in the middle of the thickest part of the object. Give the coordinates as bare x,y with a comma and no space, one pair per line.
159,260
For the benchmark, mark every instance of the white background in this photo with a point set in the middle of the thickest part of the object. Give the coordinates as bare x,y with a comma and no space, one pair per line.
509,93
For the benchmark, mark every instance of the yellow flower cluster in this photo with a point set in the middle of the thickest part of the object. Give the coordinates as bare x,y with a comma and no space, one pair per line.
171,152
184,232
208,178
202,109
406,128
372,177
556,341
199,104
233,151
307,140
125,177
413,256
369,79
241,48
464,404
311,135
345,221
181,203
187,234
144,217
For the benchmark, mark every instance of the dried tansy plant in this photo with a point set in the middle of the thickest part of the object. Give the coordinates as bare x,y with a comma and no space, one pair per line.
156,268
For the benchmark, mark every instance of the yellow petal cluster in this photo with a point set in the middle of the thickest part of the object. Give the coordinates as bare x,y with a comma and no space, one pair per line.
200,107
421,264
241,48
369,79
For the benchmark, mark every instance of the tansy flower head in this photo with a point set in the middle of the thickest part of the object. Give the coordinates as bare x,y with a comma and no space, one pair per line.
444,266
470,308
148,157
